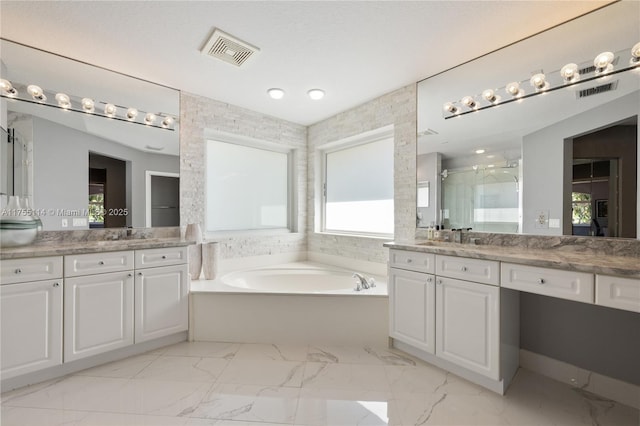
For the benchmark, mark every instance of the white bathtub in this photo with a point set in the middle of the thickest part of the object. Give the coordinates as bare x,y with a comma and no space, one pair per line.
302,303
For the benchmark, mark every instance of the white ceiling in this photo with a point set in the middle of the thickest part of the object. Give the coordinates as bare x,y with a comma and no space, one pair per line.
354,50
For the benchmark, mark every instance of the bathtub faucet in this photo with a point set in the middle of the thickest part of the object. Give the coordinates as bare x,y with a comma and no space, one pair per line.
363,282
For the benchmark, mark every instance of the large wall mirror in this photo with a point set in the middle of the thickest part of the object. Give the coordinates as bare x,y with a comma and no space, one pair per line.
558,159
82,170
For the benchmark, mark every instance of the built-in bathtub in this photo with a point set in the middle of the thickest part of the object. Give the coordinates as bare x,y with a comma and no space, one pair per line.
301,302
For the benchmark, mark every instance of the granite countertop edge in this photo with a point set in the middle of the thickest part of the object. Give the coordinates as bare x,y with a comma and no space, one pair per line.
625,266
61,249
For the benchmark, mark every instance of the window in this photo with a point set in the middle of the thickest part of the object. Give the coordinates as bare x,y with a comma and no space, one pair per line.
248,187
581,208
96,206
358,186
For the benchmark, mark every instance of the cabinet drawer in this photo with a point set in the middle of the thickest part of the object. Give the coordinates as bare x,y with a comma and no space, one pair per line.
34,269
160,257
477,270
412,261
616,292
569,285
97,263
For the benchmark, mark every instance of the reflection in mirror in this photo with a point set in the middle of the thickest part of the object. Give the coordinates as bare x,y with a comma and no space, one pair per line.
83,170
508,166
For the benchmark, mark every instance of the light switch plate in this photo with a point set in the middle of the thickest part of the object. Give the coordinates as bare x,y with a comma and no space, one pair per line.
79,221
64,223
542,219
554,223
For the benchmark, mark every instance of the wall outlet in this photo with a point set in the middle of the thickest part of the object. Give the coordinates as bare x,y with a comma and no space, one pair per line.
64,223
79,221
542,219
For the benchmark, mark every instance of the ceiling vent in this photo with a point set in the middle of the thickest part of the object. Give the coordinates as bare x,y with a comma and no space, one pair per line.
228,48
596,90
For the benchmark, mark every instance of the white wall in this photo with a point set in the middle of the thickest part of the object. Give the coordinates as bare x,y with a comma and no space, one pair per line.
546,178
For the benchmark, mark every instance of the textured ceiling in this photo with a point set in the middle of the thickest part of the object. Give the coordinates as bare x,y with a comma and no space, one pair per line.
355,51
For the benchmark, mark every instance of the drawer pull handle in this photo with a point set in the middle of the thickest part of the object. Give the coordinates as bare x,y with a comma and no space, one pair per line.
409,260
101,262
463,269
18,271
541,281
140,273
56,284
164,256
129,274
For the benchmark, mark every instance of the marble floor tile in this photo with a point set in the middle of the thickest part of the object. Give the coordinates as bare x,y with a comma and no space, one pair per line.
365,377
358,355
203,349
273,352
410,379
119,419
249,403
124,369
265,373
21,416
333,407
115,395
183,368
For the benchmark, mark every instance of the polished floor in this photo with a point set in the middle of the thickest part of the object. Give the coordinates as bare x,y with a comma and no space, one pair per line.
205,383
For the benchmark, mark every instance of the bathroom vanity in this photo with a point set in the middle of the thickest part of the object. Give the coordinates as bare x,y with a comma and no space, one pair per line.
457,305
73,306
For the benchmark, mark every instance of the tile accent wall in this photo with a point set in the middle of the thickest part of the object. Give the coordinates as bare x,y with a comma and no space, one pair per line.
198,114
397,108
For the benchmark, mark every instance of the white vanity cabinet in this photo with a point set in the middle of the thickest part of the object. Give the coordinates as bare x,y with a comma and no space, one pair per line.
161,293
98,308
449,308
412,308
31,315
618,292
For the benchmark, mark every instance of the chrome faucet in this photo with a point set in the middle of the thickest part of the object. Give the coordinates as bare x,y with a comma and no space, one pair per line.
363,282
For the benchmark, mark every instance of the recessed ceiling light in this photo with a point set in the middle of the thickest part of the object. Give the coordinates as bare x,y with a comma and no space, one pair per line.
316,94
276,93
480,151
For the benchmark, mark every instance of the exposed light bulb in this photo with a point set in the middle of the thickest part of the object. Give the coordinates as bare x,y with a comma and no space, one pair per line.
110,110
479,151
604,62
490,95
150,118
635,53
276,93
167,121
7,88
513,89
570,73
36,93
316,94
469,102
88,105
63,100
538,81
450,107
132,113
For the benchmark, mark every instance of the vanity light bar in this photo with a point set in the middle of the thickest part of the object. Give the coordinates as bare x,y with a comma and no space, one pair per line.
34,94
606,63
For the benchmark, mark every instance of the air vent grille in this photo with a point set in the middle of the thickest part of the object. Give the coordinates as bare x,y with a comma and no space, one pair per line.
228,48
596,90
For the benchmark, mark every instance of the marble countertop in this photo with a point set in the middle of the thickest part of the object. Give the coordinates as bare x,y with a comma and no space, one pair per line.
59,249
559,258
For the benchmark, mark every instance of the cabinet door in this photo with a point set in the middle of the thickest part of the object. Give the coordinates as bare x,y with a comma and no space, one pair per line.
31,334
467,325
411,308
98,314
162,306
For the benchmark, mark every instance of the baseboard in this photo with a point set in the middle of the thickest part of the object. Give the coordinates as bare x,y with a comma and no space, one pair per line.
607,387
